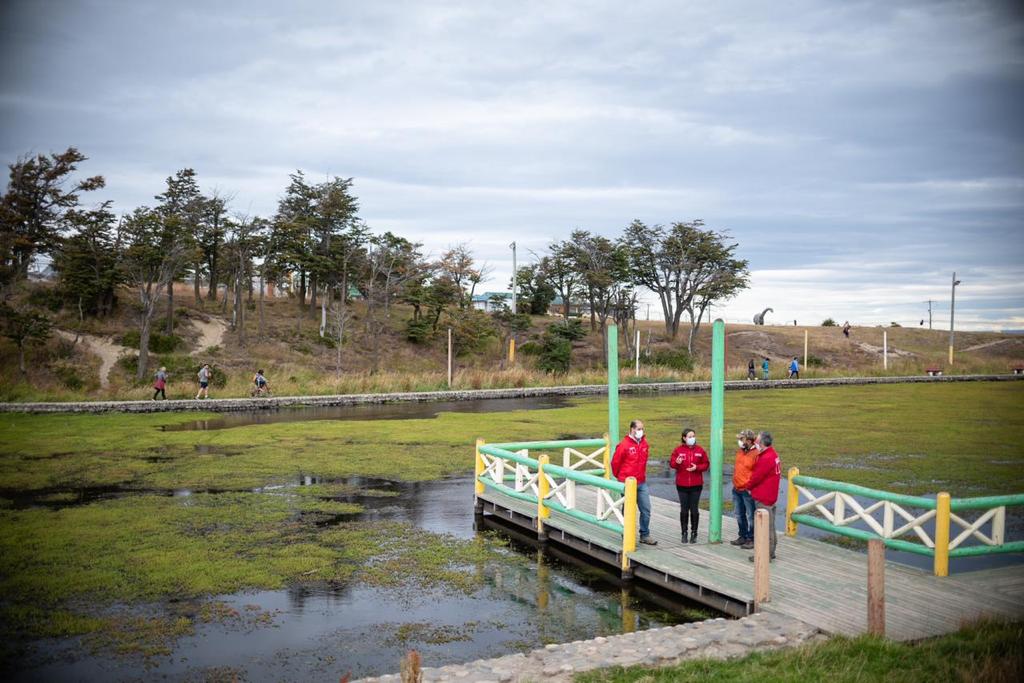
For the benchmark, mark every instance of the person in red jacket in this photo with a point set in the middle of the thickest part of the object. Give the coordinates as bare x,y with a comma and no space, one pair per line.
764,484
630,460
689,461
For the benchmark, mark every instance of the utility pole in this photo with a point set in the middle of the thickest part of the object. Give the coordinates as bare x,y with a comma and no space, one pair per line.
514,309
929,314
952,310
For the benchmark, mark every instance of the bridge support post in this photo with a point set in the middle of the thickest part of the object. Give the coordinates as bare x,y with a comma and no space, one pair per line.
717,427
478,486
761,559
792,500
942,534
543,490
629,512
876,587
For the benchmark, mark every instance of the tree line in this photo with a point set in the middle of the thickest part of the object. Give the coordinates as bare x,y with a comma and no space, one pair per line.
317,246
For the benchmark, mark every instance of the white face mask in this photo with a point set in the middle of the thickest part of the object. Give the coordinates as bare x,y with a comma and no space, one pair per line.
690,440
742,444
639,434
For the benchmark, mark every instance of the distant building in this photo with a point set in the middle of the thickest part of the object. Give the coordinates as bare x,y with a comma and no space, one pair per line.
557,307
489,302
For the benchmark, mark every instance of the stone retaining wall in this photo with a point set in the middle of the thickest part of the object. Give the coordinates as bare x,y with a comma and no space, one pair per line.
712,639
226,405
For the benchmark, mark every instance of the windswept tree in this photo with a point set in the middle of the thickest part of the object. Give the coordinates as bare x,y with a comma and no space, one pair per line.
391,263
559,271
687,266
211,240
153,255
87,261
24,327
33,209
181,207
535,291
458,266
603,266
244,240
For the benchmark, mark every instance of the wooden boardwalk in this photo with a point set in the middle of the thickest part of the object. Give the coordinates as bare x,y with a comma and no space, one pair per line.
818,583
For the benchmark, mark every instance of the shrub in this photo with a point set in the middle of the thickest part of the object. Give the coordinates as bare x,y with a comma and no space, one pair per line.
829,322
158,343
895,324
68,375
814,361
571,329
677,359
529,348
555,354
471,331
418,331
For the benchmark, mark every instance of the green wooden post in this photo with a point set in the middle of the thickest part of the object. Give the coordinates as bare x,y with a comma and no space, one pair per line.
717,427
613,385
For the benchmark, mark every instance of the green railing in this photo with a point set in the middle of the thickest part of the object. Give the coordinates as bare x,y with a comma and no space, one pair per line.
509,469
897,521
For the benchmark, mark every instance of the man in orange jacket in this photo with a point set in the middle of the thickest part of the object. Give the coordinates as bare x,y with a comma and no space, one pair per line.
742,501
630,460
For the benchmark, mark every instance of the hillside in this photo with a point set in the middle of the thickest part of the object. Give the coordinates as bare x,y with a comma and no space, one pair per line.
298,361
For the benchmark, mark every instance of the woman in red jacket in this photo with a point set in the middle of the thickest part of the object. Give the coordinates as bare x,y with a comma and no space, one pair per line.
689,460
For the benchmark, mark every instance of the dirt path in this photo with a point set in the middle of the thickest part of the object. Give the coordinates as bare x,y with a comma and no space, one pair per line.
871,348
211,333
978,347
104,347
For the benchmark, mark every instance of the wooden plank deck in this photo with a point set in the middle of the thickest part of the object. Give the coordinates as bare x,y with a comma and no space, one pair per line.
815,582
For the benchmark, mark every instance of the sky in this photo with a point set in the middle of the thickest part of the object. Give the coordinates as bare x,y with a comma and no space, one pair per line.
858,152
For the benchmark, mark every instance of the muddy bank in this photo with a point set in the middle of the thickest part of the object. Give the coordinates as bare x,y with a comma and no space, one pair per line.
249,404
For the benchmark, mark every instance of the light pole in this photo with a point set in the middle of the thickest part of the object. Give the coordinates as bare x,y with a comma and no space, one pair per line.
952,310
515,311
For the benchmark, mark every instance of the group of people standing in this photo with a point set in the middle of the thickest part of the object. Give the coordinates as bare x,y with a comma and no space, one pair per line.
755,482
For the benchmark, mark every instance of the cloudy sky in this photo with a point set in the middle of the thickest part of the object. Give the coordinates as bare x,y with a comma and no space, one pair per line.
858,152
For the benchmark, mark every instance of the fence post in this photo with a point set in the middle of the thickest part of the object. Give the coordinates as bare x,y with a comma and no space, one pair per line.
542,493
628,523
480,468
449,358
761,547
717,429
511,350
607,456
792,500
942,534
805,350
876,587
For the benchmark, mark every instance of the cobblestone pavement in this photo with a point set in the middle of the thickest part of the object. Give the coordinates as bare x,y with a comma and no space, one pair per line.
714,639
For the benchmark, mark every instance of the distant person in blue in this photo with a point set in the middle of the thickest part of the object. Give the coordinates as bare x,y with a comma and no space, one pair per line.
764,367
794,369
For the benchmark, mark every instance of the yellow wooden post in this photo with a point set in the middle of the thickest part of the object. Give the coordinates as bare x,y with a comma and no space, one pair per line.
480,468
629,511
792,500
942,534
511,351
607,456
543,488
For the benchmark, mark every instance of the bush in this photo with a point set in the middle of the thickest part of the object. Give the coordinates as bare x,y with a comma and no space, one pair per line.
68,375
418,331
815,362
529,348
677,359
471,331
555,354
829,322
571,329
158,343
46,297
895,324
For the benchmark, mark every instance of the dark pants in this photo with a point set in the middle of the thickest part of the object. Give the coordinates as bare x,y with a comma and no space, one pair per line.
689,496
159,391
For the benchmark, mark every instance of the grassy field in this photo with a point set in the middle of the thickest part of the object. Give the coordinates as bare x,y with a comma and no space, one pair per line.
989,652
60,559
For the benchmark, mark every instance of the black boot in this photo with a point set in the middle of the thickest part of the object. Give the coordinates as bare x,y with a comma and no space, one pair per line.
693,537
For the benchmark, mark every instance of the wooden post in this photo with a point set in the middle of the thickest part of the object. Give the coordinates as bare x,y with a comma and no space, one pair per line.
543,489
876,587
792,500
761,546
941,565
511,351
629,512
885,350
805,350
637,345
607,464
449,358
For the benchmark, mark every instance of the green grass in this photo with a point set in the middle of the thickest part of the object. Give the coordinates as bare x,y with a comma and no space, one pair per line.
988,651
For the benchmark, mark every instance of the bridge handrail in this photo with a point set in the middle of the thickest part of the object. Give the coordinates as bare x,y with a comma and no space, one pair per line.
942,509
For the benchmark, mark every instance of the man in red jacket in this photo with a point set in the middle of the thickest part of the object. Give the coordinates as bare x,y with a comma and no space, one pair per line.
630,460
764,484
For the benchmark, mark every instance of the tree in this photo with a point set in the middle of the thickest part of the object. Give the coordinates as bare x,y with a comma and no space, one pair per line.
559,271
87,261
535,292
687,266
391,262
214,213
181,208
458,265
603,267
34,207
23,327
153,255
244,239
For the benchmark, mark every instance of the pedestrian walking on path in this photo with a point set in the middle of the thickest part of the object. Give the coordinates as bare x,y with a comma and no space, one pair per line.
794,369
750,370
689,461
204,381
764,367
630,460
160,383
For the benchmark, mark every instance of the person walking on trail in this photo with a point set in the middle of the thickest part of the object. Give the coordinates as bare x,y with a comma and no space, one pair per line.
794,369
764,367
630,460
689,461
764,484
160,383
204,381
846,329
750,370
742,501
260,384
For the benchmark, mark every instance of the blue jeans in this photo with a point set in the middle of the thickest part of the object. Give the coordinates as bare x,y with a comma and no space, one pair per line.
743,503
643,502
